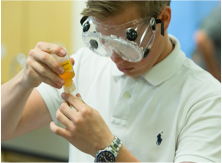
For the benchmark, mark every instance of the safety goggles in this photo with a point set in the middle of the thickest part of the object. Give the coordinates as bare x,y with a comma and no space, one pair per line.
132,40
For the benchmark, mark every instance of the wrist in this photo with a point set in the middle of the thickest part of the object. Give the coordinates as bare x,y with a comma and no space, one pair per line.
110,153
25,82
103,144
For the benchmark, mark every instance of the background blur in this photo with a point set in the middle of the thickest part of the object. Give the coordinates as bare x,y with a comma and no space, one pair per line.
186,19
24,23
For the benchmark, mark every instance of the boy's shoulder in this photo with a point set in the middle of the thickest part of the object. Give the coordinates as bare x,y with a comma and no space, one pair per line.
200,77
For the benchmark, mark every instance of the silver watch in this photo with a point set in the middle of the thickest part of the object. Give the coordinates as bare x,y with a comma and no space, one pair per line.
110,153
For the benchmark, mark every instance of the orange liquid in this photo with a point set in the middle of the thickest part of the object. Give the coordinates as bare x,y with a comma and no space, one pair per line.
67,76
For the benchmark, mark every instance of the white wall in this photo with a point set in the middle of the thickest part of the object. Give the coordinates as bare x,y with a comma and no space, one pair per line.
76,26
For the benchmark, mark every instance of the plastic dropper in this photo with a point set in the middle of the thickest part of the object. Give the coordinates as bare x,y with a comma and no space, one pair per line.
68,75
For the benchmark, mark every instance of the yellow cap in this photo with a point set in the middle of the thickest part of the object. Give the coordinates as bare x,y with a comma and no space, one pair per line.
70,88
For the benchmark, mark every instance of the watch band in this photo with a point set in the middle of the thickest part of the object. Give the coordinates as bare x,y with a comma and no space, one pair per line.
110,153
115,145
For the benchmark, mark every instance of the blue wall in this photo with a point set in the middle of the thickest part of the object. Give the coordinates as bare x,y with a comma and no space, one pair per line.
185,20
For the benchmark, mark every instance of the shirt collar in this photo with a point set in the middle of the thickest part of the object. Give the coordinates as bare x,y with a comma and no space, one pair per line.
164,69
167,67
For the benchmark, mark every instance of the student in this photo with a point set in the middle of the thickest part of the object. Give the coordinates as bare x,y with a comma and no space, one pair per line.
146,102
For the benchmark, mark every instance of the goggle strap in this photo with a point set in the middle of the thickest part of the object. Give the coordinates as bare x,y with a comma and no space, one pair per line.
83,19
162,27
147,51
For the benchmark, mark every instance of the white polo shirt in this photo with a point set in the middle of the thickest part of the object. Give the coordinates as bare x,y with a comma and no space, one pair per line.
171,113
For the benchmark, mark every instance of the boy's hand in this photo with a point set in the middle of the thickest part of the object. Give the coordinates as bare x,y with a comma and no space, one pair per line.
41,66
85,128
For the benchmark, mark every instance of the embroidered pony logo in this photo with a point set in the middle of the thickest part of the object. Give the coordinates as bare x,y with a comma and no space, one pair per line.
159,139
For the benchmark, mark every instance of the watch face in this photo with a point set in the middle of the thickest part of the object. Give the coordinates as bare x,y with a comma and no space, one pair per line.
105,156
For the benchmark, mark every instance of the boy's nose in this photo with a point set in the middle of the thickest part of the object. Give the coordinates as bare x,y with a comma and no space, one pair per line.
116,58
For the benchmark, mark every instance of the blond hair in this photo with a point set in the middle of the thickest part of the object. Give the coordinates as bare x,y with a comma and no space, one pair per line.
104,8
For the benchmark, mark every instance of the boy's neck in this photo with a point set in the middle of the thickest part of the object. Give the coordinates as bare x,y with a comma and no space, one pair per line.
167,49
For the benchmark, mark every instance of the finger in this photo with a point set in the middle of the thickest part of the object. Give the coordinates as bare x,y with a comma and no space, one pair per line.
51,48
63,119
49,81
47,75
47,59
36,78
79,97
72,60
74,101
68,111
59,131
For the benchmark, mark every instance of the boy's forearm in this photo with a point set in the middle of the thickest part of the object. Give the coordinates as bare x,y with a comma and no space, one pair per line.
14,96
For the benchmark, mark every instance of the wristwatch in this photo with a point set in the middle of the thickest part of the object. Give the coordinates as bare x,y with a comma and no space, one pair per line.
110,153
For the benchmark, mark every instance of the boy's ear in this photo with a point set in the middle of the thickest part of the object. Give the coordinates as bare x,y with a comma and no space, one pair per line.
165,16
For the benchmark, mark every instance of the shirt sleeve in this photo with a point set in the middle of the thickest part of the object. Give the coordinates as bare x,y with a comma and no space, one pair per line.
52,98
200,139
